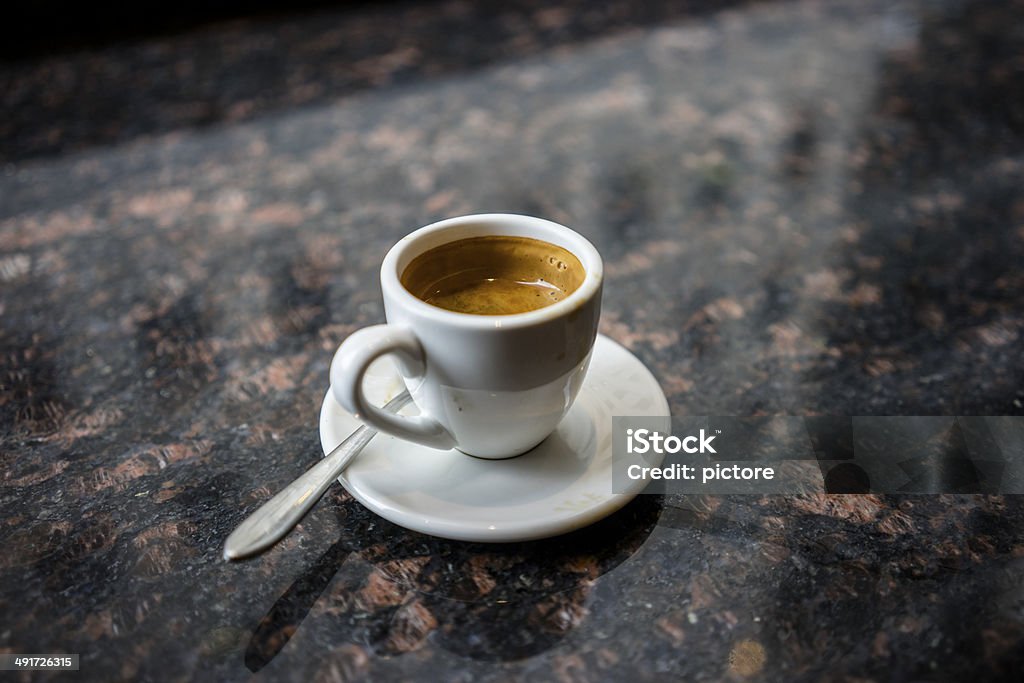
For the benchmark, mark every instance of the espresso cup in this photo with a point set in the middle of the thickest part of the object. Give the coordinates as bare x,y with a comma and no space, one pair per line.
492,386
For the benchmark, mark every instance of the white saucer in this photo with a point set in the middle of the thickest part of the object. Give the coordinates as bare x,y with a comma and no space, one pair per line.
563,484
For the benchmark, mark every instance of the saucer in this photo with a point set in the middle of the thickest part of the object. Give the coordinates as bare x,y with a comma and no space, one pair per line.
563,484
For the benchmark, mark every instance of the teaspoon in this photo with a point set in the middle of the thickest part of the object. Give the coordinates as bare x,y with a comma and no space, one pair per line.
279,515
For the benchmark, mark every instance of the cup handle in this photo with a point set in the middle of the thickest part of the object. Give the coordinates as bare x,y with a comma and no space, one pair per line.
350,362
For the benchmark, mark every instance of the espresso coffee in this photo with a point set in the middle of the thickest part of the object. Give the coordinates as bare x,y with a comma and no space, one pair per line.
494,275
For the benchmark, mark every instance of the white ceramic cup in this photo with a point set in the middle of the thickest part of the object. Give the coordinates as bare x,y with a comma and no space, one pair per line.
493,386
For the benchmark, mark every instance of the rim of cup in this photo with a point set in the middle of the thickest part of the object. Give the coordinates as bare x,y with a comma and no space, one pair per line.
482,225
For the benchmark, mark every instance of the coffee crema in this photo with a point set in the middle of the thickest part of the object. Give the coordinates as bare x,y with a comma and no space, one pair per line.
494,275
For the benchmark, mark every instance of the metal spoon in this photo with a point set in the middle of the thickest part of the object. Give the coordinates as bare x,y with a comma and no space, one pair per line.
279,515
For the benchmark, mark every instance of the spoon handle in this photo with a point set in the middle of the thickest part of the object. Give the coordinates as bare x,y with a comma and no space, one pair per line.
279,515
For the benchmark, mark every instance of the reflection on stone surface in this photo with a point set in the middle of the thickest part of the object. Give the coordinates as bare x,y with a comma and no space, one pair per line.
488,602
277,627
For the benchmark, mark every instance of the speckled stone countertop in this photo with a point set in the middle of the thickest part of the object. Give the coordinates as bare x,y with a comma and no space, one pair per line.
804,207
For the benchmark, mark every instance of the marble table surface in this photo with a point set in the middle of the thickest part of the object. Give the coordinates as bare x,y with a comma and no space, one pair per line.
805,208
